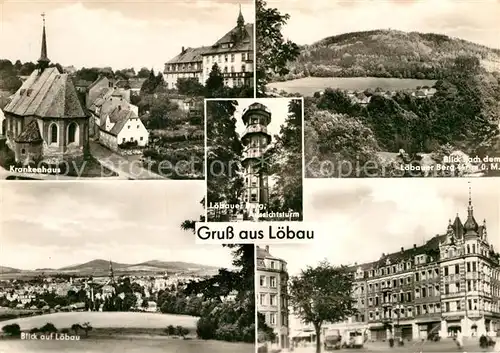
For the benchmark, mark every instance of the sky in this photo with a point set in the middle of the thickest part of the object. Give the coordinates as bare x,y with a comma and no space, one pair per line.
363,218
313,20
120,34
57,224
277,106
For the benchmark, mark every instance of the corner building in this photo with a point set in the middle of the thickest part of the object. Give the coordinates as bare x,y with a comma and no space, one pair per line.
233,54
271,291
449,284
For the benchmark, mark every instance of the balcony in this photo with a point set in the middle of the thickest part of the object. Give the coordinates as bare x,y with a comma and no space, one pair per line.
386,304
255,128
253,153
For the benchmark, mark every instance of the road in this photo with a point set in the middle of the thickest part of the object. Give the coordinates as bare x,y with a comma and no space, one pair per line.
446,345
126,167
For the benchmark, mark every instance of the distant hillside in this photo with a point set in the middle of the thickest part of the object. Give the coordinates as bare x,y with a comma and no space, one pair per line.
388,53
102,266
4,270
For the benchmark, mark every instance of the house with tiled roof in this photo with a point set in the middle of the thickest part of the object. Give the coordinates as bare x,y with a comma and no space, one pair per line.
45,119
233,53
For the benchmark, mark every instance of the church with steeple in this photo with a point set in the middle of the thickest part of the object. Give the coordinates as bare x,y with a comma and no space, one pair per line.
233,53
45,120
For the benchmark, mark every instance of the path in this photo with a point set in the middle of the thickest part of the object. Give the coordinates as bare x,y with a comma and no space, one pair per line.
125,167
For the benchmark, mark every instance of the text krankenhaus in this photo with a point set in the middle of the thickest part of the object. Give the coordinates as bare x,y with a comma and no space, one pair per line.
273,233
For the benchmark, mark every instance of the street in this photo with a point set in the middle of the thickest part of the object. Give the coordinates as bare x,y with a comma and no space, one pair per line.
127,167
446,345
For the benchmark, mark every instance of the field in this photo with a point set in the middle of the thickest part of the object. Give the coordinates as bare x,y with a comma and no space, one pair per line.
106,320
308,85
150,345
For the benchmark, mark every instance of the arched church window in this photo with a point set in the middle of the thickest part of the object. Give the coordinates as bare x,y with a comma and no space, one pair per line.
72,130
53,133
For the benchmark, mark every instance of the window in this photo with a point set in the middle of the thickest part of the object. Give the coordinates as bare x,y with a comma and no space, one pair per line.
446,271
72,130
53,133
446,289
262,299
468,266
262,281
128,126
272,282
272,299
23,151
416,277
457,269
232,57
272,319
123,139
447,307
137,126
141,138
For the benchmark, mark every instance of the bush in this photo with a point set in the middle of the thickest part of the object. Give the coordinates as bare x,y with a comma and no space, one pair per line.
170,330
48,328
205,328
12,330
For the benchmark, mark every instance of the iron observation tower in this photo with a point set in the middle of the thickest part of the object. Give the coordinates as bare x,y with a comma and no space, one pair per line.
255,140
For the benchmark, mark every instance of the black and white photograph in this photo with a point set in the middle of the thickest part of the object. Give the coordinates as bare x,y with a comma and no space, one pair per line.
392,88
114,267
114,90
254,159
403,268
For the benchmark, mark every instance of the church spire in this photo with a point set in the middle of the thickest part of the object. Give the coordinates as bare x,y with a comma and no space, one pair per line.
470,225
241,20
111,273
44,61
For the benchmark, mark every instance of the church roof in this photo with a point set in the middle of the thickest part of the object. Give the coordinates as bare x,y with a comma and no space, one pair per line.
47,94
31,133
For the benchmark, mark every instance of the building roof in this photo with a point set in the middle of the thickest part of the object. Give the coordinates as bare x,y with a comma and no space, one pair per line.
189,55
263,253
47,94
30,134
100,78
119,117
243,44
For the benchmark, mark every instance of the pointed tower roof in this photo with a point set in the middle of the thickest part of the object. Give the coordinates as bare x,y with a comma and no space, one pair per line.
44,61
458,227
471,227
241,20
111,273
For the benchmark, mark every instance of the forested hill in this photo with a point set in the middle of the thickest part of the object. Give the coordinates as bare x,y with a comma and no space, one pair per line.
388,53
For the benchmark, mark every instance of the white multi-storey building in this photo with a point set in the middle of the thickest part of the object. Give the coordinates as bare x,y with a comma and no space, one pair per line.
233,54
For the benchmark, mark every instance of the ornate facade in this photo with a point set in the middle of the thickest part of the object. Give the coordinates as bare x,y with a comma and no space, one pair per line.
271,291
449,284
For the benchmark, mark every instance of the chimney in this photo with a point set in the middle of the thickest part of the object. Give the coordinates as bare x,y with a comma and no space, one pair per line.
182,51
414,246
267,248
402,249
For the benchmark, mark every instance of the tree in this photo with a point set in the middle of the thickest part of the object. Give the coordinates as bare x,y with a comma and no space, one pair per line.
87,328
190,87
273,51
76,328
48,328
170,330
286,165
150,84
143,73
322,294
214,83
12,330
224,148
